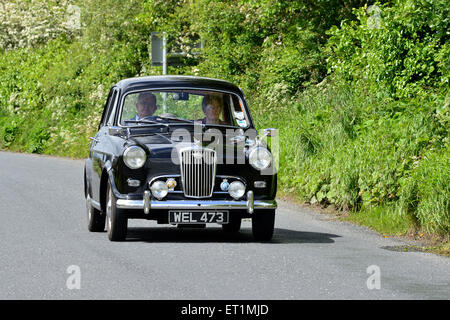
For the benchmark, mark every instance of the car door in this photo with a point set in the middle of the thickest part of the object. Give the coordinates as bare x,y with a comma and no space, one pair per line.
99,151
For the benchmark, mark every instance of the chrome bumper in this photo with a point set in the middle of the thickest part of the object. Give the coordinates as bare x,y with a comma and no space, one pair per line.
147,205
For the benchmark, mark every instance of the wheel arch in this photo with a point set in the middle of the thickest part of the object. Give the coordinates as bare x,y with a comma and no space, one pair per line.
104,178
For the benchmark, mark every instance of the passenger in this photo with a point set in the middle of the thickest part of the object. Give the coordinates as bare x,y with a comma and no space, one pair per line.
212,108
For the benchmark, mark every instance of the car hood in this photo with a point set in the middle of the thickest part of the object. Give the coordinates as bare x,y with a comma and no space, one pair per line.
162,145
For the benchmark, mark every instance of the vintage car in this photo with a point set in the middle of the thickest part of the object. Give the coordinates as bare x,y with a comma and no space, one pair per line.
180,150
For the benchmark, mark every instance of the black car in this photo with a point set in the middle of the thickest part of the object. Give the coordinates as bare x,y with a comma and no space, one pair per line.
180,150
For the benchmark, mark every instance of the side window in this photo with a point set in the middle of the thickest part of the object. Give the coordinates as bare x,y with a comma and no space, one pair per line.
112,108
105,109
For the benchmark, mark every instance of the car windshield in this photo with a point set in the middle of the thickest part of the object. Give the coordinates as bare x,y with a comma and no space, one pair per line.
183,106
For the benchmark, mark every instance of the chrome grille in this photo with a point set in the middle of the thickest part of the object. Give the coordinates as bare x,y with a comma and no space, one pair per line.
198,171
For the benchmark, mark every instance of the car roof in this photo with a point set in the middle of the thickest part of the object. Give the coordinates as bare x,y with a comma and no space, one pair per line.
193,82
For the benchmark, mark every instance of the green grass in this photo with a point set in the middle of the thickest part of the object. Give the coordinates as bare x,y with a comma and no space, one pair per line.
386,220
384,160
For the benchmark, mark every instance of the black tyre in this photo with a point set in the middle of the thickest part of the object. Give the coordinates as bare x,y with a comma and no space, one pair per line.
116,223
234,223
96,220
263,223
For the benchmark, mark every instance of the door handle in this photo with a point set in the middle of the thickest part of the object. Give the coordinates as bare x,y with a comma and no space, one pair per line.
94,139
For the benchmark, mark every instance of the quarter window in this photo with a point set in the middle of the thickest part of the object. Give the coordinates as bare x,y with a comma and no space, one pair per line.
112,108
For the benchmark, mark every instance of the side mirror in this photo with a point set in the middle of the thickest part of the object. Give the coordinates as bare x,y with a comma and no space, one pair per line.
115,131
270,132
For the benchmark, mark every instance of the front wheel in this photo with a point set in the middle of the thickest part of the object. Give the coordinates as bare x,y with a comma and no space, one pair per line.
116,223
263,223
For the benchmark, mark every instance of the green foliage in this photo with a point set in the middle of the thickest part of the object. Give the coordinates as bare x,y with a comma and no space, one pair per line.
387,219
52,95
29,23
256,43
10,129
299,62
403,48
371,137
359,150
426,191
37,138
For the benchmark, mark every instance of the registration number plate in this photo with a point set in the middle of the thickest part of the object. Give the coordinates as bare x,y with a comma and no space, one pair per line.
220,217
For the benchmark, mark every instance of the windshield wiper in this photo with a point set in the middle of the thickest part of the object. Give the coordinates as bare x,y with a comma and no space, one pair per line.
197,122
177,119
147,122
220,125
181,120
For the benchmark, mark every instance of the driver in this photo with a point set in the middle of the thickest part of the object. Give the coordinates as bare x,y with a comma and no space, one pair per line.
145,106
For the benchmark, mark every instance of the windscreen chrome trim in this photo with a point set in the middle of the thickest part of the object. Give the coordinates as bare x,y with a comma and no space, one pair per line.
122,100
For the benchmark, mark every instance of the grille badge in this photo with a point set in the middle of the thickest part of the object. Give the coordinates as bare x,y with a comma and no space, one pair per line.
197,155
171,184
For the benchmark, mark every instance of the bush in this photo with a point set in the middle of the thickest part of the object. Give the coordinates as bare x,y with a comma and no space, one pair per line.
357,149
53,91
425,193
402,48
37,138
29,23
9,132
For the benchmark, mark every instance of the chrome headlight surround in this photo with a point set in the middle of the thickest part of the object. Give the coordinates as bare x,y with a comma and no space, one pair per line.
260,158
134,157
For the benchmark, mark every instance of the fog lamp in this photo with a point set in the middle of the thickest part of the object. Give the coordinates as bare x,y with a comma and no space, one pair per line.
236,189
159,189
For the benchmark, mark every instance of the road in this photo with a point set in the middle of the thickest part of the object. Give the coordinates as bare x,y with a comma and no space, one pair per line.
46,251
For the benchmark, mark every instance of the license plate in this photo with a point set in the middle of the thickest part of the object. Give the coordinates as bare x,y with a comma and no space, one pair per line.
220,217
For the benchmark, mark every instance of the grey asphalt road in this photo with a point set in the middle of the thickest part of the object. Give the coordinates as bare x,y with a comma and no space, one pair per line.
44,234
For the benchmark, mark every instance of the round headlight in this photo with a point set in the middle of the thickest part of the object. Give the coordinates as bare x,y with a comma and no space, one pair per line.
134,157
236,189
159,189
260,158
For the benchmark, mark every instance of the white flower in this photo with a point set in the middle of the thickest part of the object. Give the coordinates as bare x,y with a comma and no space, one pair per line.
26,23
